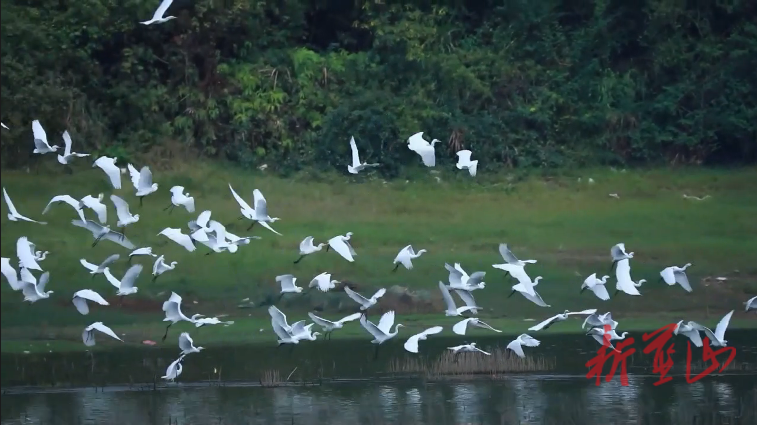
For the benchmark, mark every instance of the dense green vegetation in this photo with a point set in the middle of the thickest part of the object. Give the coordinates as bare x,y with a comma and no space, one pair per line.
521,83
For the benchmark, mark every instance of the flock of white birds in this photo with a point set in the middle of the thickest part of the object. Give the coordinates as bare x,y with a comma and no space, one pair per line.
214,235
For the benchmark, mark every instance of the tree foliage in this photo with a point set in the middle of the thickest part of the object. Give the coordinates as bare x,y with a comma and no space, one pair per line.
521,83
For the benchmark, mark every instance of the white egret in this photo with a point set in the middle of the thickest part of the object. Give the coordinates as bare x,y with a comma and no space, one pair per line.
93,269
599,335
13,214
467,348
618,253
180,199
674,274
178,237
716,338
341,244
200,228
125,286
280,318
187,345
175,368
519,273
142,181
411,344
417,144
142,251
125,217
34,292
510,258
307,247
289,334
329,326
10,274
100,232
323,282
287,282
459,279
452,309
68,200
688,330
381,332
365,303
597,286
81,297
25,254
158,18
88,336
599,320
559,318
236,240
261,211
96,205
38,255
67,154
160,267
406,256
108,165
751,304
624,282
172,309
517,344
461,326
524,290
4,126
464,162
357,166
249,212
41,146
204,321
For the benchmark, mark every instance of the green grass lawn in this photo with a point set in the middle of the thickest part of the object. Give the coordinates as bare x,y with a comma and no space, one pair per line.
566,224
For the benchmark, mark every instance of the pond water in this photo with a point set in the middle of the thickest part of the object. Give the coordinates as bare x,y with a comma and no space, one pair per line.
338,382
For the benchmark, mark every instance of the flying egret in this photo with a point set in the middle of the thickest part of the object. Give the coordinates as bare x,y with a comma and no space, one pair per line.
279,317
674,274
10,274
328,326
381,332
178,237
108,165
34,292
405,257
599,335
417,144
142,251
236,240
688,330
160,267
25,255
341,244
4,126
751,304
517,272
172,309
158,18
100,232
559,318
68,200
464,162
125,286
67,154
180,199
452,309
249,212
88,336
411,344
205,321
459,279
81,297
600,320
289,334
467,348
365,303
125,217
175,368
200,228
517,344
307,247
357,166
142,181
187,345
523,289
323,282
510,258
716,338
287,282
96,205
461,326
13,214
41,146
93,269
261,211
597,286
624,282
618,253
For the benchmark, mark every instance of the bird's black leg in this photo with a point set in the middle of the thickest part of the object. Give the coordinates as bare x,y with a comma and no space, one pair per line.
253,223
616,292
169,206
299,259
279,345
127,262
121,301
327,248
511,294
140,200
582,290
612,266
375,353
661,279
155,277
209,253
396,267
167,328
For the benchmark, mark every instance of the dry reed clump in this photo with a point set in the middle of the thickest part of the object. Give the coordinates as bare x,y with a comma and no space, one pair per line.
448,364
270,379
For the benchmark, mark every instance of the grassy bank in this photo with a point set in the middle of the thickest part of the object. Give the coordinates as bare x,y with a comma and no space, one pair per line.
567,224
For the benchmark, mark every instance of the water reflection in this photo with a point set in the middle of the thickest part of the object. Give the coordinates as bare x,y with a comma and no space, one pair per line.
519,400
